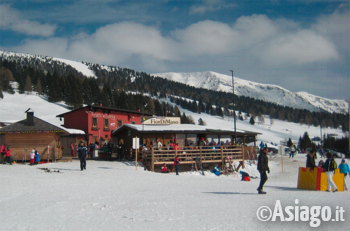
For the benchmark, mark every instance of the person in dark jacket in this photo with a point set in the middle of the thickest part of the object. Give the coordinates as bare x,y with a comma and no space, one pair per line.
110,147
310,160
82,153
263,166
329,167
121,150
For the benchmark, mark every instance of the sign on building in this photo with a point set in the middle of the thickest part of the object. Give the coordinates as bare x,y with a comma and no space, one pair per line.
161,120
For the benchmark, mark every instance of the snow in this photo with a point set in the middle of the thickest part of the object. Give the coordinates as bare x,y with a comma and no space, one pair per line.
13,107
266,92
112,195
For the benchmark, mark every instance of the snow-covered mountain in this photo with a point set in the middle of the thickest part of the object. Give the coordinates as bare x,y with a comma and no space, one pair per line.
266,92
209,80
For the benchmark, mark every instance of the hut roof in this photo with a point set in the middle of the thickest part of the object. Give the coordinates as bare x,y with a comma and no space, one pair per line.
38,126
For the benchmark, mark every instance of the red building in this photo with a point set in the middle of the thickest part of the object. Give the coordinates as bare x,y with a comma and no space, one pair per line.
98,122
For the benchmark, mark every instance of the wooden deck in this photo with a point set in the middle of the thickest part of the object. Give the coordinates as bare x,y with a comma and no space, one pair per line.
154,157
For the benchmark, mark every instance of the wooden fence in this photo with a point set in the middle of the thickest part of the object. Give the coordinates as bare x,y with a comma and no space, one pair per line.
154,157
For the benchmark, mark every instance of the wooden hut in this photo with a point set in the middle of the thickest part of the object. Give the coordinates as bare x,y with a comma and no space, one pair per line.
219,143
30,133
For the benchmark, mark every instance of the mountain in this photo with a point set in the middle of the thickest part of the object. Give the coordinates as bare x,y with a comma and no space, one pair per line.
208,80
265,92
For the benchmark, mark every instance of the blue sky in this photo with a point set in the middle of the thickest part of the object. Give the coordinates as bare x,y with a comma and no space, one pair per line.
299,45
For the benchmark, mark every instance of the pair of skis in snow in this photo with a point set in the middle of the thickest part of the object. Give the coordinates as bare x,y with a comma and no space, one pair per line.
198,162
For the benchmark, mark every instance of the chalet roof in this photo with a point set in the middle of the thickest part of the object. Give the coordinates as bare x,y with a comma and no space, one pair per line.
96,107
181,128
39,126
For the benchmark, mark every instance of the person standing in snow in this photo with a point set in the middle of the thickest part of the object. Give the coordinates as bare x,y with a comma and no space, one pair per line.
330,165
310,159
262,145
263,167
37,157
176,164
32,157
8,157
121,150
344,168
292,151
82,153
110,147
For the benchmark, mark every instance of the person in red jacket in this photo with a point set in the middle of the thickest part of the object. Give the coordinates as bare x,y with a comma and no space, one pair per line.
72,153
8,157
164,169
176,164
2,152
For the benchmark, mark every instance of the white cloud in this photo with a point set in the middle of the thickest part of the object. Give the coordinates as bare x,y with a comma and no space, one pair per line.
13,20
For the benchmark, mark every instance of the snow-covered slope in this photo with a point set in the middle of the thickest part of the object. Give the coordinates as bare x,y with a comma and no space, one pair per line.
14,106
79,66
266,92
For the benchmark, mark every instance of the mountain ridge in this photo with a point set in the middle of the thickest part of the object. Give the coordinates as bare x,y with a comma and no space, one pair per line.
211,81
265,92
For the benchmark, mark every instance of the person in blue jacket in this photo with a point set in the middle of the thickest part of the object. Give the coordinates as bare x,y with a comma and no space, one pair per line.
82,153
344,168
37,157
216,170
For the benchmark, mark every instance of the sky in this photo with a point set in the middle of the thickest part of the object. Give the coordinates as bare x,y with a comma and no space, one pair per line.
299,45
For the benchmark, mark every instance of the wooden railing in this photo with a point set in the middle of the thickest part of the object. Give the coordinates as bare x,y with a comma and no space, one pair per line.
155,157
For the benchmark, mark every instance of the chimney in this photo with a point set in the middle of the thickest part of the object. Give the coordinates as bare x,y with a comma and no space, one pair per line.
100,104
138,109
30,117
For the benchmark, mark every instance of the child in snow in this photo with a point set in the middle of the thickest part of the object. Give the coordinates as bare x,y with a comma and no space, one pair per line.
164,169
32,156
245,176
344,168
36,158
216,170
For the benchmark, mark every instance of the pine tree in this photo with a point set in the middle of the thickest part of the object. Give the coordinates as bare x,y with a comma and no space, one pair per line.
39,88
289,143
28,85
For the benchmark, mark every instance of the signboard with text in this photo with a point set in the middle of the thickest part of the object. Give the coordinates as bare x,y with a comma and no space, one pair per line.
161,120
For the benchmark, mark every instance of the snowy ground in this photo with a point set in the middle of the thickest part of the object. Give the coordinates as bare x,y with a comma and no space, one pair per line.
114,196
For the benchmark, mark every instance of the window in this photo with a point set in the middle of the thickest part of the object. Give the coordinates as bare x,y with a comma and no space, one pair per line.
133,122
94,123
120,123
106,124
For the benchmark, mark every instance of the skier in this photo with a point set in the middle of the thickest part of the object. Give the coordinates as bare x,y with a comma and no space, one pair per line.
292,151
262,168
82,153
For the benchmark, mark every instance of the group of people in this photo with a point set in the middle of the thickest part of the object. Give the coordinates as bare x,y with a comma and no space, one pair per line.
329,167
34,157
6,154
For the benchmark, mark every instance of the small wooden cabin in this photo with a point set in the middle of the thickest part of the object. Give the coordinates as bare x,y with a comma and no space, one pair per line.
30,133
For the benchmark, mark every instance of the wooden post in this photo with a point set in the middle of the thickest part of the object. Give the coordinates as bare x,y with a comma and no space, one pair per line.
136,152
222,153
282,158
243,153
200,153
152,159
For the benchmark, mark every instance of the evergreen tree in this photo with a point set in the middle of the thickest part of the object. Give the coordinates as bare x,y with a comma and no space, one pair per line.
39,88
28,85
158,109
201,122
290,142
